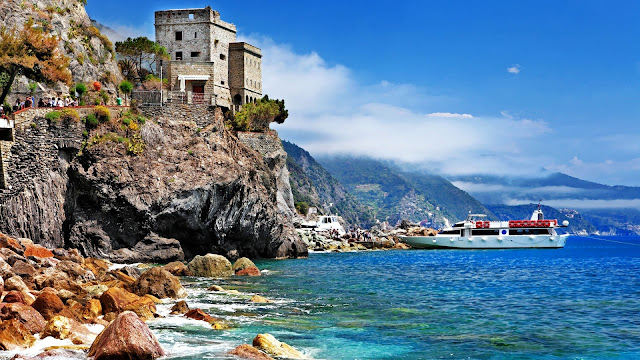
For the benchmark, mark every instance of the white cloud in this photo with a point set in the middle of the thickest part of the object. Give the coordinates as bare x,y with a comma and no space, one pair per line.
449,115
514,69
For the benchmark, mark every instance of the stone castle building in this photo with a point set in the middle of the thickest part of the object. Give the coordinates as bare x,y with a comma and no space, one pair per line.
206,64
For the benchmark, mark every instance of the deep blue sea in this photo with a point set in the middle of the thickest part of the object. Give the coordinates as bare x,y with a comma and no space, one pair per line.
580,302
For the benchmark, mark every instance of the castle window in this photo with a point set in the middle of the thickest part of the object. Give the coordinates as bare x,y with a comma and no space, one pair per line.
178,55
222,82
222,57
191,16
178,35
195,54
195,35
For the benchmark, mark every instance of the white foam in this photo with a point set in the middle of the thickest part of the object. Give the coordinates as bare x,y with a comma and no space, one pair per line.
120,266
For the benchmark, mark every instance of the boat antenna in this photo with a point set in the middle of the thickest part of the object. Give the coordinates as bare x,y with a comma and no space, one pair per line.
539,202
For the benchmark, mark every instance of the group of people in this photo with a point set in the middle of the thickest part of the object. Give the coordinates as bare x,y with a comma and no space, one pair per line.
29,101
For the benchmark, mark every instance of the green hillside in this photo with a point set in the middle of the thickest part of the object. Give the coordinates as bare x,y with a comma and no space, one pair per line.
312,184
395,194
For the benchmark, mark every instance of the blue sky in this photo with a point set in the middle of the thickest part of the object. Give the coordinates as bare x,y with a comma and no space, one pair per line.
545,84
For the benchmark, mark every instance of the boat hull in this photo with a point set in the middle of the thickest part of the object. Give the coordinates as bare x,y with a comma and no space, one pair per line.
486,242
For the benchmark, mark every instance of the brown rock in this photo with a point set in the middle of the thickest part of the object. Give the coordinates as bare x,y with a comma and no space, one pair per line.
27,315
109,316
120,276
270,345
247,351
198,314
116,299
98,267
250,271
259,299
14,334
210,265
178,269
23,269
127,337
37,251
14,296
216,288
75,271
92,309
11,243
76,308
179,308
49,305
160,283
144,307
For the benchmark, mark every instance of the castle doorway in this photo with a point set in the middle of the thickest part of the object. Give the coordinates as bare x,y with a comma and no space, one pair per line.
198,94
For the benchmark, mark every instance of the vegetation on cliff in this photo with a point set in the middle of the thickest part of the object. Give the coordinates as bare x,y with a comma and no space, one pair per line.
138,58
33,53
257,117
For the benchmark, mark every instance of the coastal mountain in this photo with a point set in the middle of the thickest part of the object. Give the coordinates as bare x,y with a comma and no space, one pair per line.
91,54
396,194
313,185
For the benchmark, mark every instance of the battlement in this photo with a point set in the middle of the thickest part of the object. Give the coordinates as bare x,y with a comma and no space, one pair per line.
243,46
190,17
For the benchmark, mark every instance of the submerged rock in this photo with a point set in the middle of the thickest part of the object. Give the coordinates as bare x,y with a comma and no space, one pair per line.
270,345
250,271
127,337
210,265
259,299
180,308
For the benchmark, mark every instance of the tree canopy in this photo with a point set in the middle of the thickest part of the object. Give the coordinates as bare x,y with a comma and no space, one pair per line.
32,53
138,57
257,117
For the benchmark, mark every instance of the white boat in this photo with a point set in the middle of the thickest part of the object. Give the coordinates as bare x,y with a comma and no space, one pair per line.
325,223
478,233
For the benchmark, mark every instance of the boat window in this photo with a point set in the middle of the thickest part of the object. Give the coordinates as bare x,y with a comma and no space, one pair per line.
494,232
528,231
458,225
450,232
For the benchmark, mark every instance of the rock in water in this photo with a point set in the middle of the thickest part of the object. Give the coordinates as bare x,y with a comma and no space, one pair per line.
127,337
243,263
247,351
178,269
180,308
160,283
250,271
210,265
270,345
259,299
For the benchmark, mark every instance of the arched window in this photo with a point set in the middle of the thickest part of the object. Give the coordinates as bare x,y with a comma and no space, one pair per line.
237,99
247,100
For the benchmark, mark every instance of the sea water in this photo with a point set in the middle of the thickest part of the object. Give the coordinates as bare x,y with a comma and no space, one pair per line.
580,302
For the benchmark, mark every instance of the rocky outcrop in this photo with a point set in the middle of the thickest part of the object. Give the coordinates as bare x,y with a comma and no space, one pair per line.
160,283
127,337
91,54
246,351
270,345
210,265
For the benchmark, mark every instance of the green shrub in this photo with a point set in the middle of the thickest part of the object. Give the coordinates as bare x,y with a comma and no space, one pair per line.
102,113
52,116
34,126
69,115
141,119
92,121
96,101
85,133
105,96
126,121
7,108
81,89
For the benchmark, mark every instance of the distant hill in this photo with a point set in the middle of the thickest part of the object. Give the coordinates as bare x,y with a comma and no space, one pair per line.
395,194
312,184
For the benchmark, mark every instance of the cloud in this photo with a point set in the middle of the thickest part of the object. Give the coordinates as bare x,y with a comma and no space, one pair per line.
583,204
514,69
450,115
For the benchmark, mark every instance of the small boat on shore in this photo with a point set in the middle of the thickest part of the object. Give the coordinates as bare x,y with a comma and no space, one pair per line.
477,233
326,223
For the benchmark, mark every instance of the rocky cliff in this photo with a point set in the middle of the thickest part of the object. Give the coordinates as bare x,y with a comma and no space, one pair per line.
192,191
91,54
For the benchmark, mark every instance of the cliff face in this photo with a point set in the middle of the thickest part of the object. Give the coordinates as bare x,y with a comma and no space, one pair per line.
191,191
91,55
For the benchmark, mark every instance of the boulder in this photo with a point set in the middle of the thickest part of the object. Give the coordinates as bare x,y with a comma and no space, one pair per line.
198,314
160,283
177,268
127,337
210,265
243,263
14,335
247,351
75,271
14,296
98,267
92,309
57,327
60,280
270,345
11,244
95,291
131,271
37,251
259,299
250,271
27,315
152,248
23,269
216,288
144,307
116,299
121,276
48,304
180,308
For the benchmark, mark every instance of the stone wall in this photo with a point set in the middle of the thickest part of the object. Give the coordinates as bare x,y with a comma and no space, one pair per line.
245,72
203,115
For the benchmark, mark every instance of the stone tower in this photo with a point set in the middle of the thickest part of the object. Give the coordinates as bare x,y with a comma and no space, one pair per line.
207,64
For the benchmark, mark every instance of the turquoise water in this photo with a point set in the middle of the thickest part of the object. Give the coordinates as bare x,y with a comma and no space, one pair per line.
580,302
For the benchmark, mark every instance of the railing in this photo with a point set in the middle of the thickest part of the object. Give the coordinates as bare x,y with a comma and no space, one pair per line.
177,97
197,98
146,96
